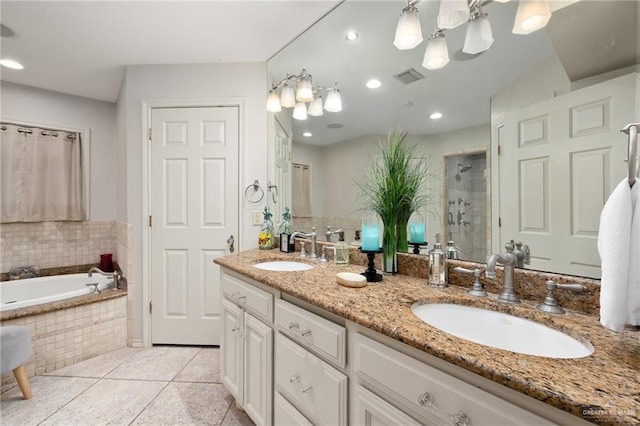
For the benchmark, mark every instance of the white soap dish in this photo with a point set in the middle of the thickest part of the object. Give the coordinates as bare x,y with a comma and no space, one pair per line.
349,279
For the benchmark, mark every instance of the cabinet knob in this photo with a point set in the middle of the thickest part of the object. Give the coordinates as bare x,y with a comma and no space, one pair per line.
294,378
306,333
428,401
460,419
294,326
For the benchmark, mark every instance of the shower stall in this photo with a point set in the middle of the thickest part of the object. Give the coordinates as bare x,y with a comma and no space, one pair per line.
466,205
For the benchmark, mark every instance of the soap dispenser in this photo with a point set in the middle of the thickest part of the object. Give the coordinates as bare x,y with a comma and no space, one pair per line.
437,266
285,230
341,256
266,239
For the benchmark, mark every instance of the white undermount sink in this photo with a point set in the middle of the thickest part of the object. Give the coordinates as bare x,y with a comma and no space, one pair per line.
283,266
502,331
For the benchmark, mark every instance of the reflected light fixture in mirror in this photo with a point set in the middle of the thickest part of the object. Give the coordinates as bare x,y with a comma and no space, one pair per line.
436,115
531,16
436,55
373,83
408,31
298,90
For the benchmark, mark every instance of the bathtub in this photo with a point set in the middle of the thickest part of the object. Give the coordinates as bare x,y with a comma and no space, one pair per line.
35,291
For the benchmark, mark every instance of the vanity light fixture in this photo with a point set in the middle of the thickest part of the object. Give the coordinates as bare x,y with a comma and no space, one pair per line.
436,55
435,115
298,90
479,36
10,63
408,31
452,14
531,16
373,83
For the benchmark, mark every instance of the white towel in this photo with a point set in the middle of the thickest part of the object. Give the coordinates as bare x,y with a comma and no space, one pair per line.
619,248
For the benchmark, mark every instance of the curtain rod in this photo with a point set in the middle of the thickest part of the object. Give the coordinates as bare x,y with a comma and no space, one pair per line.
52,132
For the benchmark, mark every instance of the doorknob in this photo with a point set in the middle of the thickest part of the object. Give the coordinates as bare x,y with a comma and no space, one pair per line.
231,241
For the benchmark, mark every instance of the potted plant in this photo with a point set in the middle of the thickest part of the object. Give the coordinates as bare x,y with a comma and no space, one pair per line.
394,189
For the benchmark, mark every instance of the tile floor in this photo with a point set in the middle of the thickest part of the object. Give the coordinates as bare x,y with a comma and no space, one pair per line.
161,385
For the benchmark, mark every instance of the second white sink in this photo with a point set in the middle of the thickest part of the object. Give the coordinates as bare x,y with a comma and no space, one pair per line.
502,331
283,266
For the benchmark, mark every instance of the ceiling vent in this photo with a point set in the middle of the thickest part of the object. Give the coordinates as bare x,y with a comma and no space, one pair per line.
409,76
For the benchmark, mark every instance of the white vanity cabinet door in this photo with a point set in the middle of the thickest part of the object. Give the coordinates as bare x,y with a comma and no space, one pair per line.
232,350
326,338
436,397
258,362
285,414
369,409
313,386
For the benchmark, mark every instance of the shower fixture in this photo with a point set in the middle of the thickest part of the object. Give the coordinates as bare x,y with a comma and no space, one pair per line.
461,169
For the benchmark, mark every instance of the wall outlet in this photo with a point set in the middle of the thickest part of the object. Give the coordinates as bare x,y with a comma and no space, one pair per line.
257,218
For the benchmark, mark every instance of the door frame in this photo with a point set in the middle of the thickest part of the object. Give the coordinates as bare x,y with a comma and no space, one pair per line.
147,107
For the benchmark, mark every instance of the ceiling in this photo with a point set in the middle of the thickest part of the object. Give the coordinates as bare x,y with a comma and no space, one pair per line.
589,37
82,47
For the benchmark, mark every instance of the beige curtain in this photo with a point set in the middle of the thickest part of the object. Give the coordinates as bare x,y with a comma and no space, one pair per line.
41,175
301,203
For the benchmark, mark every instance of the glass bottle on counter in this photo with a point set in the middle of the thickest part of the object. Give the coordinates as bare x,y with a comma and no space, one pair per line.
341,256
266,237
437,266
285,230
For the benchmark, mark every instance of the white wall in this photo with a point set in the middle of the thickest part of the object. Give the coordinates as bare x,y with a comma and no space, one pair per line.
44,107
182,83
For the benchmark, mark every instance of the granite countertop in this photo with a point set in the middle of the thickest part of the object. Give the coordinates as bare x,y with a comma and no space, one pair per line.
603,388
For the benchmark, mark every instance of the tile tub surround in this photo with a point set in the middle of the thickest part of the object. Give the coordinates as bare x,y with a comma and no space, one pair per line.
602,388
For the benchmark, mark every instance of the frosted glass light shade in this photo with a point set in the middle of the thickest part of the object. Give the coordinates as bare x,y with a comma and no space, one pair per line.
273,102
408,31
300,111
452,13
315,107
436,55
334,101
531,16
305,90
479,36
287,97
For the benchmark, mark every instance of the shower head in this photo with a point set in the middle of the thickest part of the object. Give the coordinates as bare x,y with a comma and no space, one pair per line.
463,167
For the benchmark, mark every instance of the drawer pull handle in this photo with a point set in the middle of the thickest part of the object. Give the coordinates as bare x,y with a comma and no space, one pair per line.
306,390
306,333
242,298
294,326
294,378
234,329
428,401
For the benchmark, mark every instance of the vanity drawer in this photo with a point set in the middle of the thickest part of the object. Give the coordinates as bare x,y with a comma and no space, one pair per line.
319,334
286,414
316,389
249,297
435,396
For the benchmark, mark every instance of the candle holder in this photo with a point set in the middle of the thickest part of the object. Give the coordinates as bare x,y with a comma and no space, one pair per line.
370,273
418,246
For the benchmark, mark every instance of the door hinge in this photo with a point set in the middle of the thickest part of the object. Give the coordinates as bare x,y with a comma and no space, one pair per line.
499,222
499,150
150,308
150,133
150,221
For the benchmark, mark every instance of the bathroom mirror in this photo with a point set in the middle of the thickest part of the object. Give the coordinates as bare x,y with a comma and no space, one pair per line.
483,98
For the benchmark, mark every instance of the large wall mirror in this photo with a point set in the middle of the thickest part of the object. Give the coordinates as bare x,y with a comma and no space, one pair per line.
528,147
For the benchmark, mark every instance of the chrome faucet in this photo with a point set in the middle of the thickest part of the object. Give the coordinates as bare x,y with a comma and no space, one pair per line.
329,233
509,260
313,235
115,275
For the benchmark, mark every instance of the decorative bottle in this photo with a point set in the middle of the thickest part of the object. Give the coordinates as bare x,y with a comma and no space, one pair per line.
285,230
266,238
437,267
342,251
452,251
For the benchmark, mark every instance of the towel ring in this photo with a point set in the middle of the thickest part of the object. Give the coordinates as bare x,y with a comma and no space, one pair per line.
256,188
632,131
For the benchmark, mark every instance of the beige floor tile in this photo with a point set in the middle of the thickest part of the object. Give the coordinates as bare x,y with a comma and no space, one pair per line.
98,366
237,417
155,363
108,402
49,395
204,367
187,404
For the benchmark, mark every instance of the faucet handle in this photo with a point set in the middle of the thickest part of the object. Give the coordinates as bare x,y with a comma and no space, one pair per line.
324,257
550,304
303,251
477,289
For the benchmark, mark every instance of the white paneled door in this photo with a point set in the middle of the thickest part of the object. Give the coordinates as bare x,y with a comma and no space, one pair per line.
560,159
194,209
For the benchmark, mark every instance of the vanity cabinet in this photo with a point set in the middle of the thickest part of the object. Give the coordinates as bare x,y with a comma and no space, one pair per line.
421,391
247,347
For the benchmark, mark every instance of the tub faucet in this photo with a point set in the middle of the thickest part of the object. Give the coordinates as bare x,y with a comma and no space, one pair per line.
313,235
509,260
115,275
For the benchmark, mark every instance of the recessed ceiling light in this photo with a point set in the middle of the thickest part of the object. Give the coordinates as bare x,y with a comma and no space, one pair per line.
351,36
10,63
435,115
307,134
373,83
